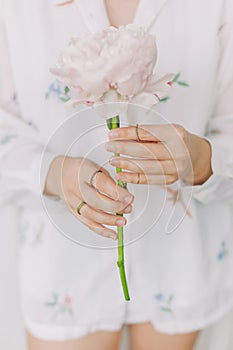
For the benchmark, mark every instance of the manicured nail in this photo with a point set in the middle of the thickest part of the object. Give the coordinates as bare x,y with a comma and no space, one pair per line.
113,134
114,161
120,222
128,210
109,147
128,199
113,237
120,177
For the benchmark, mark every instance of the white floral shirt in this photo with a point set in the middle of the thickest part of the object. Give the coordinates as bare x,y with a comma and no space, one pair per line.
187,277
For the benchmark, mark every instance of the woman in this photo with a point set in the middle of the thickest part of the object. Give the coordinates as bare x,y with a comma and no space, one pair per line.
179,283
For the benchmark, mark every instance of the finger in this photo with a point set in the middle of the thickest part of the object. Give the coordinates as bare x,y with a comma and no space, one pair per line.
154,133
101,217
105,184
94,226
140,150
145,166
101,202
73,202
142,179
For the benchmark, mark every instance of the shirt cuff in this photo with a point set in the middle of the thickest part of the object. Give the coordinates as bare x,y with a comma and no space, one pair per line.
45,163
219,186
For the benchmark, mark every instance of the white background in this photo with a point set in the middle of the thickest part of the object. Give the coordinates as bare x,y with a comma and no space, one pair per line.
218,337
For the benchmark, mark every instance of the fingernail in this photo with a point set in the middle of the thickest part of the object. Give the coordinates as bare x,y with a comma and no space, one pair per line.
120,177
109,147
128,210
114,161
128,199
113,134
120,222
113,237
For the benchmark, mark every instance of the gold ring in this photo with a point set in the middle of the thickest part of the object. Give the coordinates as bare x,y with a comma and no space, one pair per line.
137,132
80,206
93,175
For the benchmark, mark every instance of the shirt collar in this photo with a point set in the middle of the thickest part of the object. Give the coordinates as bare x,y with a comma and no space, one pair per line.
96,19
148,12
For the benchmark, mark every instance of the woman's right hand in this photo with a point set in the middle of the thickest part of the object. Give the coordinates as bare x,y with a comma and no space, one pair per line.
71,179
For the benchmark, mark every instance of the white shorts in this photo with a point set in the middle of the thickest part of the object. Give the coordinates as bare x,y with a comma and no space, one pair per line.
180,282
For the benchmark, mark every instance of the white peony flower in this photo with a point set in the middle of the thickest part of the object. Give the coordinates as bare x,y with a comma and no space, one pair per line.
114,65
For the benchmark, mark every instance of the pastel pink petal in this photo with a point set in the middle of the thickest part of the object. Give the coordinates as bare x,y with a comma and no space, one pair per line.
132,86
160,86
145,99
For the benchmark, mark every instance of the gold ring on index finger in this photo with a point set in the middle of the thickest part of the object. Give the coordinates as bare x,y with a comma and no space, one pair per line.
79,207
93,176
137,132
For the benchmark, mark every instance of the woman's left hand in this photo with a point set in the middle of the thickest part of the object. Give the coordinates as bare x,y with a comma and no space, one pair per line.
160,154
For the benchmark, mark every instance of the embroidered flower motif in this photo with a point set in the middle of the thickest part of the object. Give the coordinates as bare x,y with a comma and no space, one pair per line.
6,138
223,252
60,305
58,90
31,236
177,197
165,302
175,80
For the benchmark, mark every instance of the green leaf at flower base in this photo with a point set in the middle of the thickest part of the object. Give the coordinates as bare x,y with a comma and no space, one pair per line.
176,77
165,99
64,99
183,83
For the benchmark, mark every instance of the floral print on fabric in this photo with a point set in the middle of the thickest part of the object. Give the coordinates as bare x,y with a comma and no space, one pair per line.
223,252
6,138
59,90
176,80
164,302
60,305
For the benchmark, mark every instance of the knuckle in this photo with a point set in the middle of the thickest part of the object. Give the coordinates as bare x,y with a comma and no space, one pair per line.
171,179
127,133
142,132
151,150
136,166
120,147
181,165
119,207
162,167
91,226
181,130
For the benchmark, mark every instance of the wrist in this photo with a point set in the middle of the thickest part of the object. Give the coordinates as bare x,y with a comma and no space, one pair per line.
54,177
200,153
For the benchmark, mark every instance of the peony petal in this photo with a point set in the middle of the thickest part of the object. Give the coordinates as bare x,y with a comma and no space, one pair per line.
161,87
145,99
113,65
109,110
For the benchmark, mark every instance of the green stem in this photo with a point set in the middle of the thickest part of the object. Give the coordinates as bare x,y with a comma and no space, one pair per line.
114,123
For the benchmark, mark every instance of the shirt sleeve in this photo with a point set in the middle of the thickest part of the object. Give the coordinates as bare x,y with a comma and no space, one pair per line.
21,149
219,187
